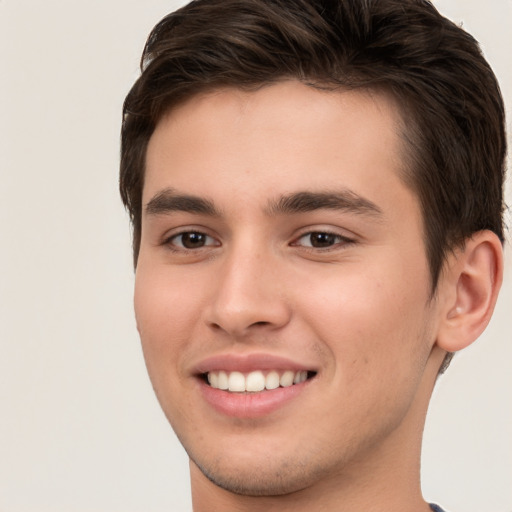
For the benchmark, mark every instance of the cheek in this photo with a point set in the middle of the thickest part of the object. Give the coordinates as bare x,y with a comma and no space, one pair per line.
380,344
164,317
372,324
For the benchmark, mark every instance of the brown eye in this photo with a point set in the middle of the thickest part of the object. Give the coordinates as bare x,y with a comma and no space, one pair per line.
192,240
323,239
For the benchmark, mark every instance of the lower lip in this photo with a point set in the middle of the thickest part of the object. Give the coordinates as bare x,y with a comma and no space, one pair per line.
250,405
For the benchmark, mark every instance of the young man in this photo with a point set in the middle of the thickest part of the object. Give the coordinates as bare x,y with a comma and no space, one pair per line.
316,194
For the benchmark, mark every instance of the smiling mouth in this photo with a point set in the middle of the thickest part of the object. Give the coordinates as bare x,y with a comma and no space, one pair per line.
255,381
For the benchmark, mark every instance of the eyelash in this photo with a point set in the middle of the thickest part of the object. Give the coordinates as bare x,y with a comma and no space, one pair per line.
170,241
341,241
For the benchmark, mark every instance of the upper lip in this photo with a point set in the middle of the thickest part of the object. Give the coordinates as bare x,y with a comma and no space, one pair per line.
246,363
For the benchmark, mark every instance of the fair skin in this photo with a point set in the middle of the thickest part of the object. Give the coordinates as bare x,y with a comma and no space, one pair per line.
278,239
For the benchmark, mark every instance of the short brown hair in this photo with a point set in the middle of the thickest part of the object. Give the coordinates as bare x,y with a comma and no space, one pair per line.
452,110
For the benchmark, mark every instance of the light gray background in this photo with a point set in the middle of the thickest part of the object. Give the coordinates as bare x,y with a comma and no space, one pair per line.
80,429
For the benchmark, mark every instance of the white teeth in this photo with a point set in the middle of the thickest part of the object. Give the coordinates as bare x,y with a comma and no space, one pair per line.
213,379
300,377
256,381
272,380
286,379
222,381
236,382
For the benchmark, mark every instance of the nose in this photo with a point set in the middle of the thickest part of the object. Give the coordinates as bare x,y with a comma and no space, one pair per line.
248,295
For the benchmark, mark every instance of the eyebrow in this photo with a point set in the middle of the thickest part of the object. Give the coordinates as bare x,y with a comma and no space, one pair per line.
344,200
168,201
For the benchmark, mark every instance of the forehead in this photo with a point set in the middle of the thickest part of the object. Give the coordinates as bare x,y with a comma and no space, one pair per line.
288,134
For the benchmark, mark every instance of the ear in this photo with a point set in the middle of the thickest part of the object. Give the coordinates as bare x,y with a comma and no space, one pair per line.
470,283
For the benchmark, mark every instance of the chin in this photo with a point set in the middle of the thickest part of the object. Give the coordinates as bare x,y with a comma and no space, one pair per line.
261,478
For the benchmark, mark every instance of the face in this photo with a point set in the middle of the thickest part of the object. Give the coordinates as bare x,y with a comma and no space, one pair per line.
282,287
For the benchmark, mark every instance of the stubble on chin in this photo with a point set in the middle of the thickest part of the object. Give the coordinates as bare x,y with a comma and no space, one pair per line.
278,479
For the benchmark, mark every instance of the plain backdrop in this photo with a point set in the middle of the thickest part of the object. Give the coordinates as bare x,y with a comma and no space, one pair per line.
80,429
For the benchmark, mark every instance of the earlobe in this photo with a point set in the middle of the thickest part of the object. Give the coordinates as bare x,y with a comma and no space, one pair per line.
474,276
